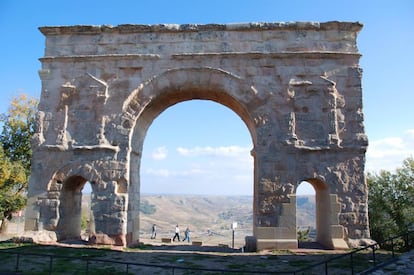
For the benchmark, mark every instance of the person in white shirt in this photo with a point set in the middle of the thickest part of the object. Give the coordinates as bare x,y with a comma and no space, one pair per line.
177,233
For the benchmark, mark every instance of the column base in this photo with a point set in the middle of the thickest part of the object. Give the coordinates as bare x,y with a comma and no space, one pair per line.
339,244
276,238
279,244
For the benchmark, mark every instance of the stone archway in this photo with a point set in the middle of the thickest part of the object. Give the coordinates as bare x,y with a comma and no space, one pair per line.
165,90
296,86
70,204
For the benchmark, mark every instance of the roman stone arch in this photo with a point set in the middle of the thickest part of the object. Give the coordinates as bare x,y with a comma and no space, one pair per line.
296,86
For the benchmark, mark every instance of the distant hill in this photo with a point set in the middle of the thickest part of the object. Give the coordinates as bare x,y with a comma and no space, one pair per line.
306,209
208,213
216,213
200,213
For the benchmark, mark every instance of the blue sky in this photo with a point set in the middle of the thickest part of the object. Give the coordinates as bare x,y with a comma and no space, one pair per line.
203,147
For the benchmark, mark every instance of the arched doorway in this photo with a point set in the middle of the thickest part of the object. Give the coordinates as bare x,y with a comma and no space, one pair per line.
87,219
69,226
65,207
196,85
305,213
329,234
196,158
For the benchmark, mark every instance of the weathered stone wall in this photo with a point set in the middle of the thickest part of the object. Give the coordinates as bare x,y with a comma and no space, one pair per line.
297,86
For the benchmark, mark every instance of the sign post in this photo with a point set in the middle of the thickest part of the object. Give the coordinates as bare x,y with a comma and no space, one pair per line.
19,215
233,227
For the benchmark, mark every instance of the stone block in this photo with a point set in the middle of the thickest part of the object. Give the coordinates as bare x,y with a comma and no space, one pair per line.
100,238
337,231
289,221
275,233
166,240
289,209
42,236
277,244
30,224
339,244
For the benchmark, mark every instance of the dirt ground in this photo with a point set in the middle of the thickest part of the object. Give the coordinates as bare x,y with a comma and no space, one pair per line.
181,257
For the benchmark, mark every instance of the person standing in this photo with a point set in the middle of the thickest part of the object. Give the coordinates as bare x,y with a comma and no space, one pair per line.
177,233
154,231
187,235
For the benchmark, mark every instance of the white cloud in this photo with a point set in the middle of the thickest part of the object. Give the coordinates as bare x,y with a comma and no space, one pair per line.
160,153
388,153
222,151
228,170
166,173
158,172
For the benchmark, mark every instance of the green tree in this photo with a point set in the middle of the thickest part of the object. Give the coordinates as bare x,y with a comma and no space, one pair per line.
391,201
18,128
303,235
13,182
146,208
15,154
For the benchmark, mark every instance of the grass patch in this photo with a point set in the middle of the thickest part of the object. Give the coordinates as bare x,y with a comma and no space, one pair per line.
10,244
200,257
37,259
237,266
300,263
360,261
282,252
85,258
140,246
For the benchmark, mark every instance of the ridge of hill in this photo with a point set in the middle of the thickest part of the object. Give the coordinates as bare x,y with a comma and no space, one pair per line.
199,212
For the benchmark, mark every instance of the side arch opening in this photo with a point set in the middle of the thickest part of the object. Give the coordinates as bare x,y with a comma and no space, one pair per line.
305,213
323,213
75,220
87,218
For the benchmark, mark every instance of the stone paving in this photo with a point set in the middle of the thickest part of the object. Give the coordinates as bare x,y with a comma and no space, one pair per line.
404,265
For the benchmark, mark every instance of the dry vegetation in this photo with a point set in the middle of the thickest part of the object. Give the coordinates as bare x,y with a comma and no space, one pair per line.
208,217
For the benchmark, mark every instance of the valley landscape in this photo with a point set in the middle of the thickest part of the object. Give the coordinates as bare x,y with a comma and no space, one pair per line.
209,217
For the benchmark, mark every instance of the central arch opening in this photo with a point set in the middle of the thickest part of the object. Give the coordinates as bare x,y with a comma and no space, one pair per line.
197,172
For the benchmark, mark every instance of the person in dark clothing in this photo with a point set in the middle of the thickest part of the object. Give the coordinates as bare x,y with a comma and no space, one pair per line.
187,235
154,231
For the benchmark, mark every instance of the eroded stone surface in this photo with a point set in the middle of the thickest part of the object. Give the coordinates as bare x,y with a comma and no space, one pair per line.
297,87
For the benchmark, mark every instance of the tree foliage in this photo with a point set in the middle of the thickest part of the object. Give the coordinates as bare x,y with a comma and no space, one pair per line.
304,235
391,201
146,208
18,128
15,154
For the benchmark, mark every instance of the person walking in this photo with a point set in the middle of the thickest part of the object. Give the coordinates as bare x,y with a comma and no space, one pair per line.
177,233
154,231
187,235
